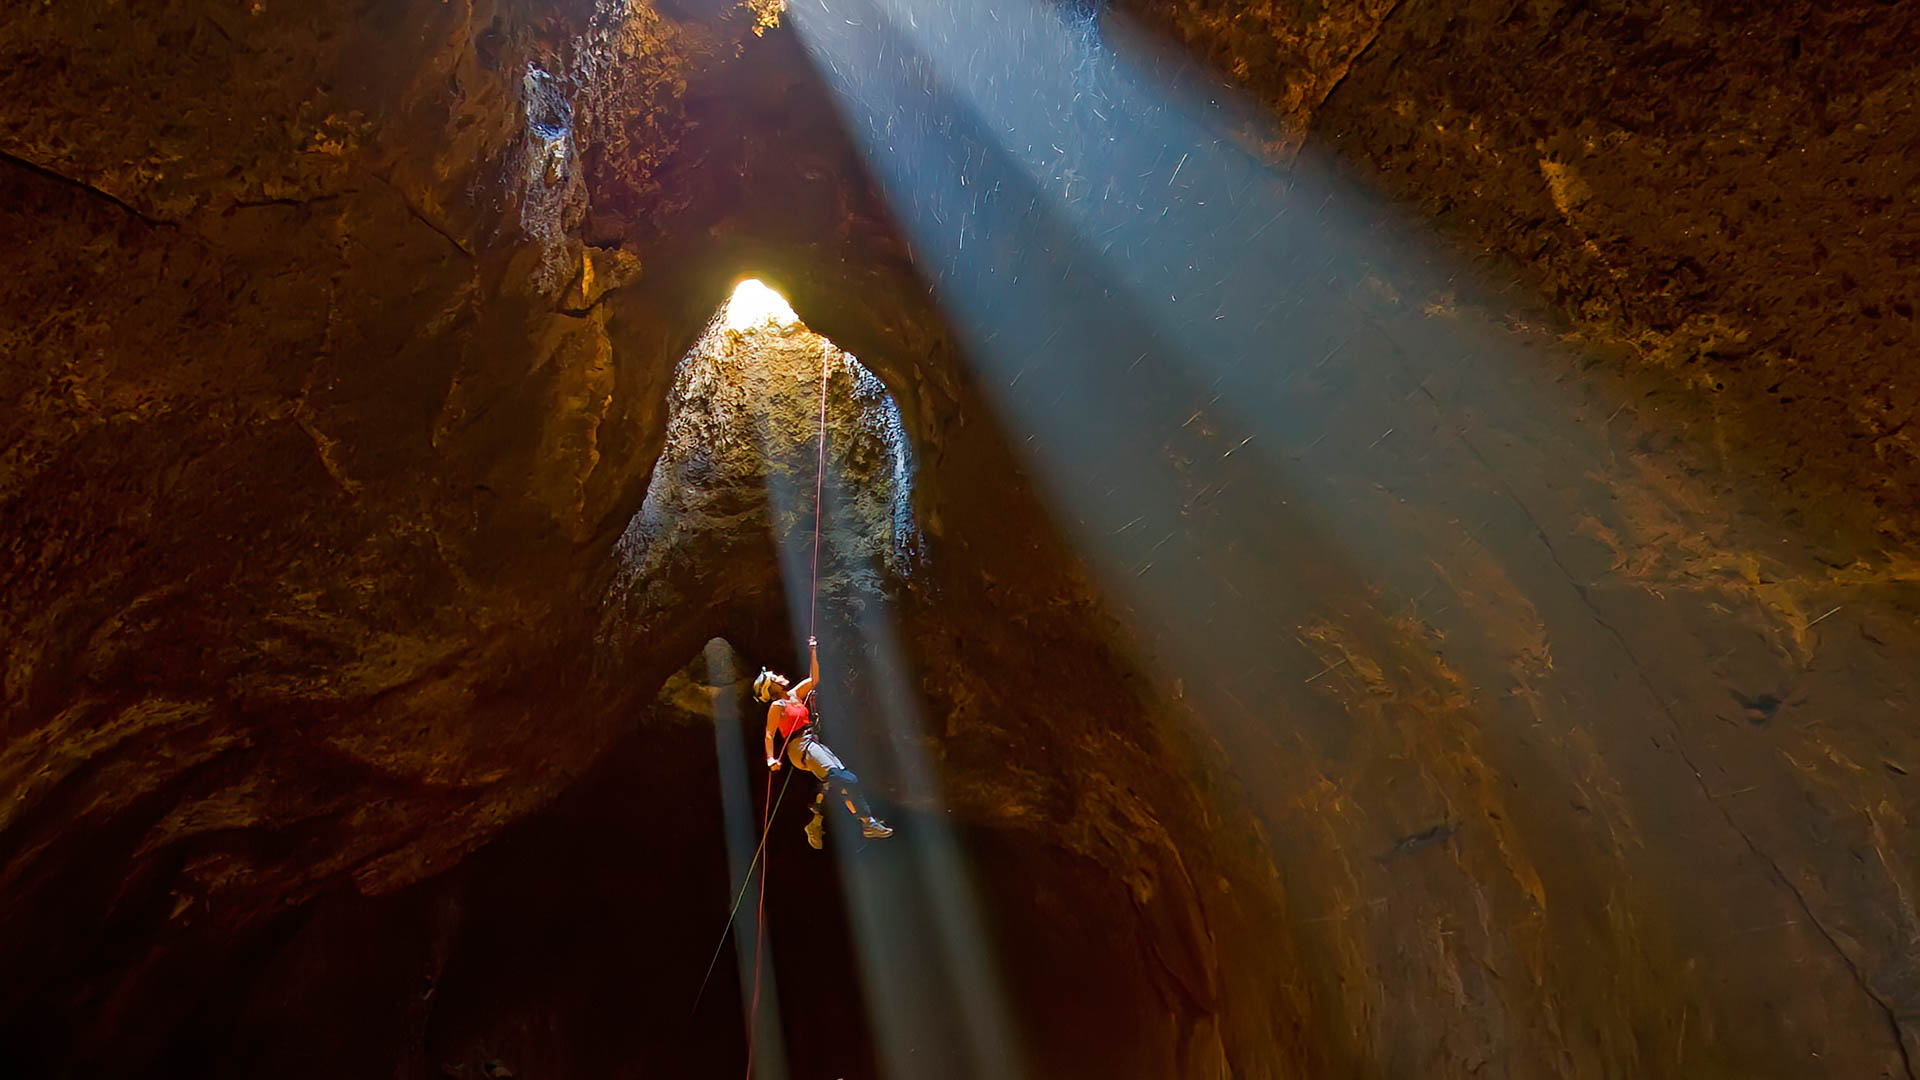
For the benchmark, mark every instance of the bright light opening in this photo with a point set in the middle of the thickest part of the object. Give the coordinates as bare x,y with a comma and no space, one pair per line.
753,304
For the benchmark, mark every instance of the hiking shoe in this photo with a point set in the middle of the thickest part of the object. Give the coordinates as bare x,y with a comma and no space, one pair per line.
875,829
816,833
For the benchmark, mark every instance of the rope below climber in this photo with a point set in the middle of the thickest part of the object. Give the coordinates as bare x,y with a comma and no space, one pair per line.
791,717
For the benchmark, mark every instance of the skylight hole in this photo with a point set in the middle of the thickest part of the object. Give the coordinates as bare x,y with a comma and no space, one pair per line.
754,305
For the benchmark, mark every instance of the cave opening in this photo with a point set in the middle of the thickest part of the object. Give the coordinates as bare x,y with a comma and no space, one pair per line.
729,514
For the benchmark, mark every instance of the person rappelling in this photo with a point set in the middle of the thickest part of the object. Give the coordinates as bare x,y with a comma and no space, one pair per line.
791,717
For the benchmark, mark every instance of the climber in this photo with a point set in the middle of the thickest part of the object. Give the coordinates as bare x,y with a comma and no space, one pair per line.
790,715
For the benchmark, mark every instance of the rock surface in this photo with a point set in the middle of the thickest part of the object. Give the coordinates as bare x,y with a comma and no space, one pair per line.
342,347
1721,192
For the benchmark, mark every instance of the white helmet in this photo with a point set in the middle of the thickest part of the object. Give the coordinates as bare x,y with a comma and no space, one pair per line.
766,684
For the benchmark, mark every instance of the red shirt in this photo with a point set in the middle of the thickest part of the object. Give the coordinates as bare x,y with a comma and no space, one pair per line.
793,717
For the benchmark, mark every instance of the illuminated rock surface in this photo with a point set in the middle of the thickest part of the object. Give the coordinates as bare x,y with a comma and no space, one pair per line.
342,735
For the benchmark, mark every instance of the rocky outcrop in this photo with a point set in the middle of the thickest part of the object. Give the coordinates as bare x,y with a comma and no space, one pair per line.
727,520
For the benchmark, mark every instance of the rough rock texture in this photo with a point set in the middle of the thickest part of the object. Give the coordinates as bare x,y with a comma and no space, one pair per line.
341,341
1725,191
301,465
735,483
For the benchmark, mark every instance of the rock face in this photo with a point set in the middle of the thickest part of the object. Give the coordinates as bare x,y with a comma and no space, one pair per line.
1721,193
365,547
727,520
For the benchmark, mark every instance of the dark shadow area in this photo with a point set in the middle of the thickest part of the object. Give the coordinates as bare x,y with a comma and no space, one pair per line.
574,945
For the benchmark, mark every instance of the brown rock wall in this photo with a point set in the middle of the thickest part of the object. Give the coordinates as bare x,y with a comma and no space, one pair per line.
1723,189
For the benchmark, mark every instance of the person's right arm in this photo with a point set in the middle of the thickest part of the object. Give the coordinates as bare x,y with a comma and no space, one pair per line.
773,725
799,693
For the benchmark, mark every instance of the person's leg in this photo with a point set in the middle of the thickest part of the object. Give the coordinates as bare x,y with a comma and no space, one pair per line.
835,777
816,826
856,802
815,756
846,786
805,752
809,754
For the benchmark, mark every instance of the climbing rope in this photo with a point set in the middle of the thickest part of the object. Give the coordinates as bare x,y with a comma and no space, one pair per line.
819,487
746,881
813,627
760,927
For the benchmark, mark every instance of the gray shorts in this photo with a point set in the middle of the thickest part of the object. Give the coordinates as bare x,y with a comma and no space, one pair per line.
809,753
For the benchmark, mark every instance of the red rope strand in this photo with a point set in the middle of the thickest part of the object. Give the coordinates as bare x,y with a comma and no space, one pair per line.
819,486
813,626
759,930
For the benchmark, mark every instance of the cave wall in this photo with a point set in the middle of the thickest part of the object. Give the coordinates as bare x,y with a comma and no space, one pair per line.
726,523
341,342
1723,193
1713,202
1574,773
304,446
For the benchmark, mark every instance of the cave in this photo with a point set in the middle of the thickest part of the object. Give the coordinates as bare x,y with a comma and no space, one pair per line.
1349,539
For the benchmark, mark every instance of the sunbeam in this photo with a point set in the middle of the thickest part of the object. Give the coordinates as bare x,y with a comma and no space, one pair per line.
926,973
1197,348
753,953
1089,308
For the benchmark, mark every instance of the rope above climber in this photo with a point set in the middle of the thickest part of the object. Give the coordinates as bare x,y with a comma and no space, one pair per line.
791,717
